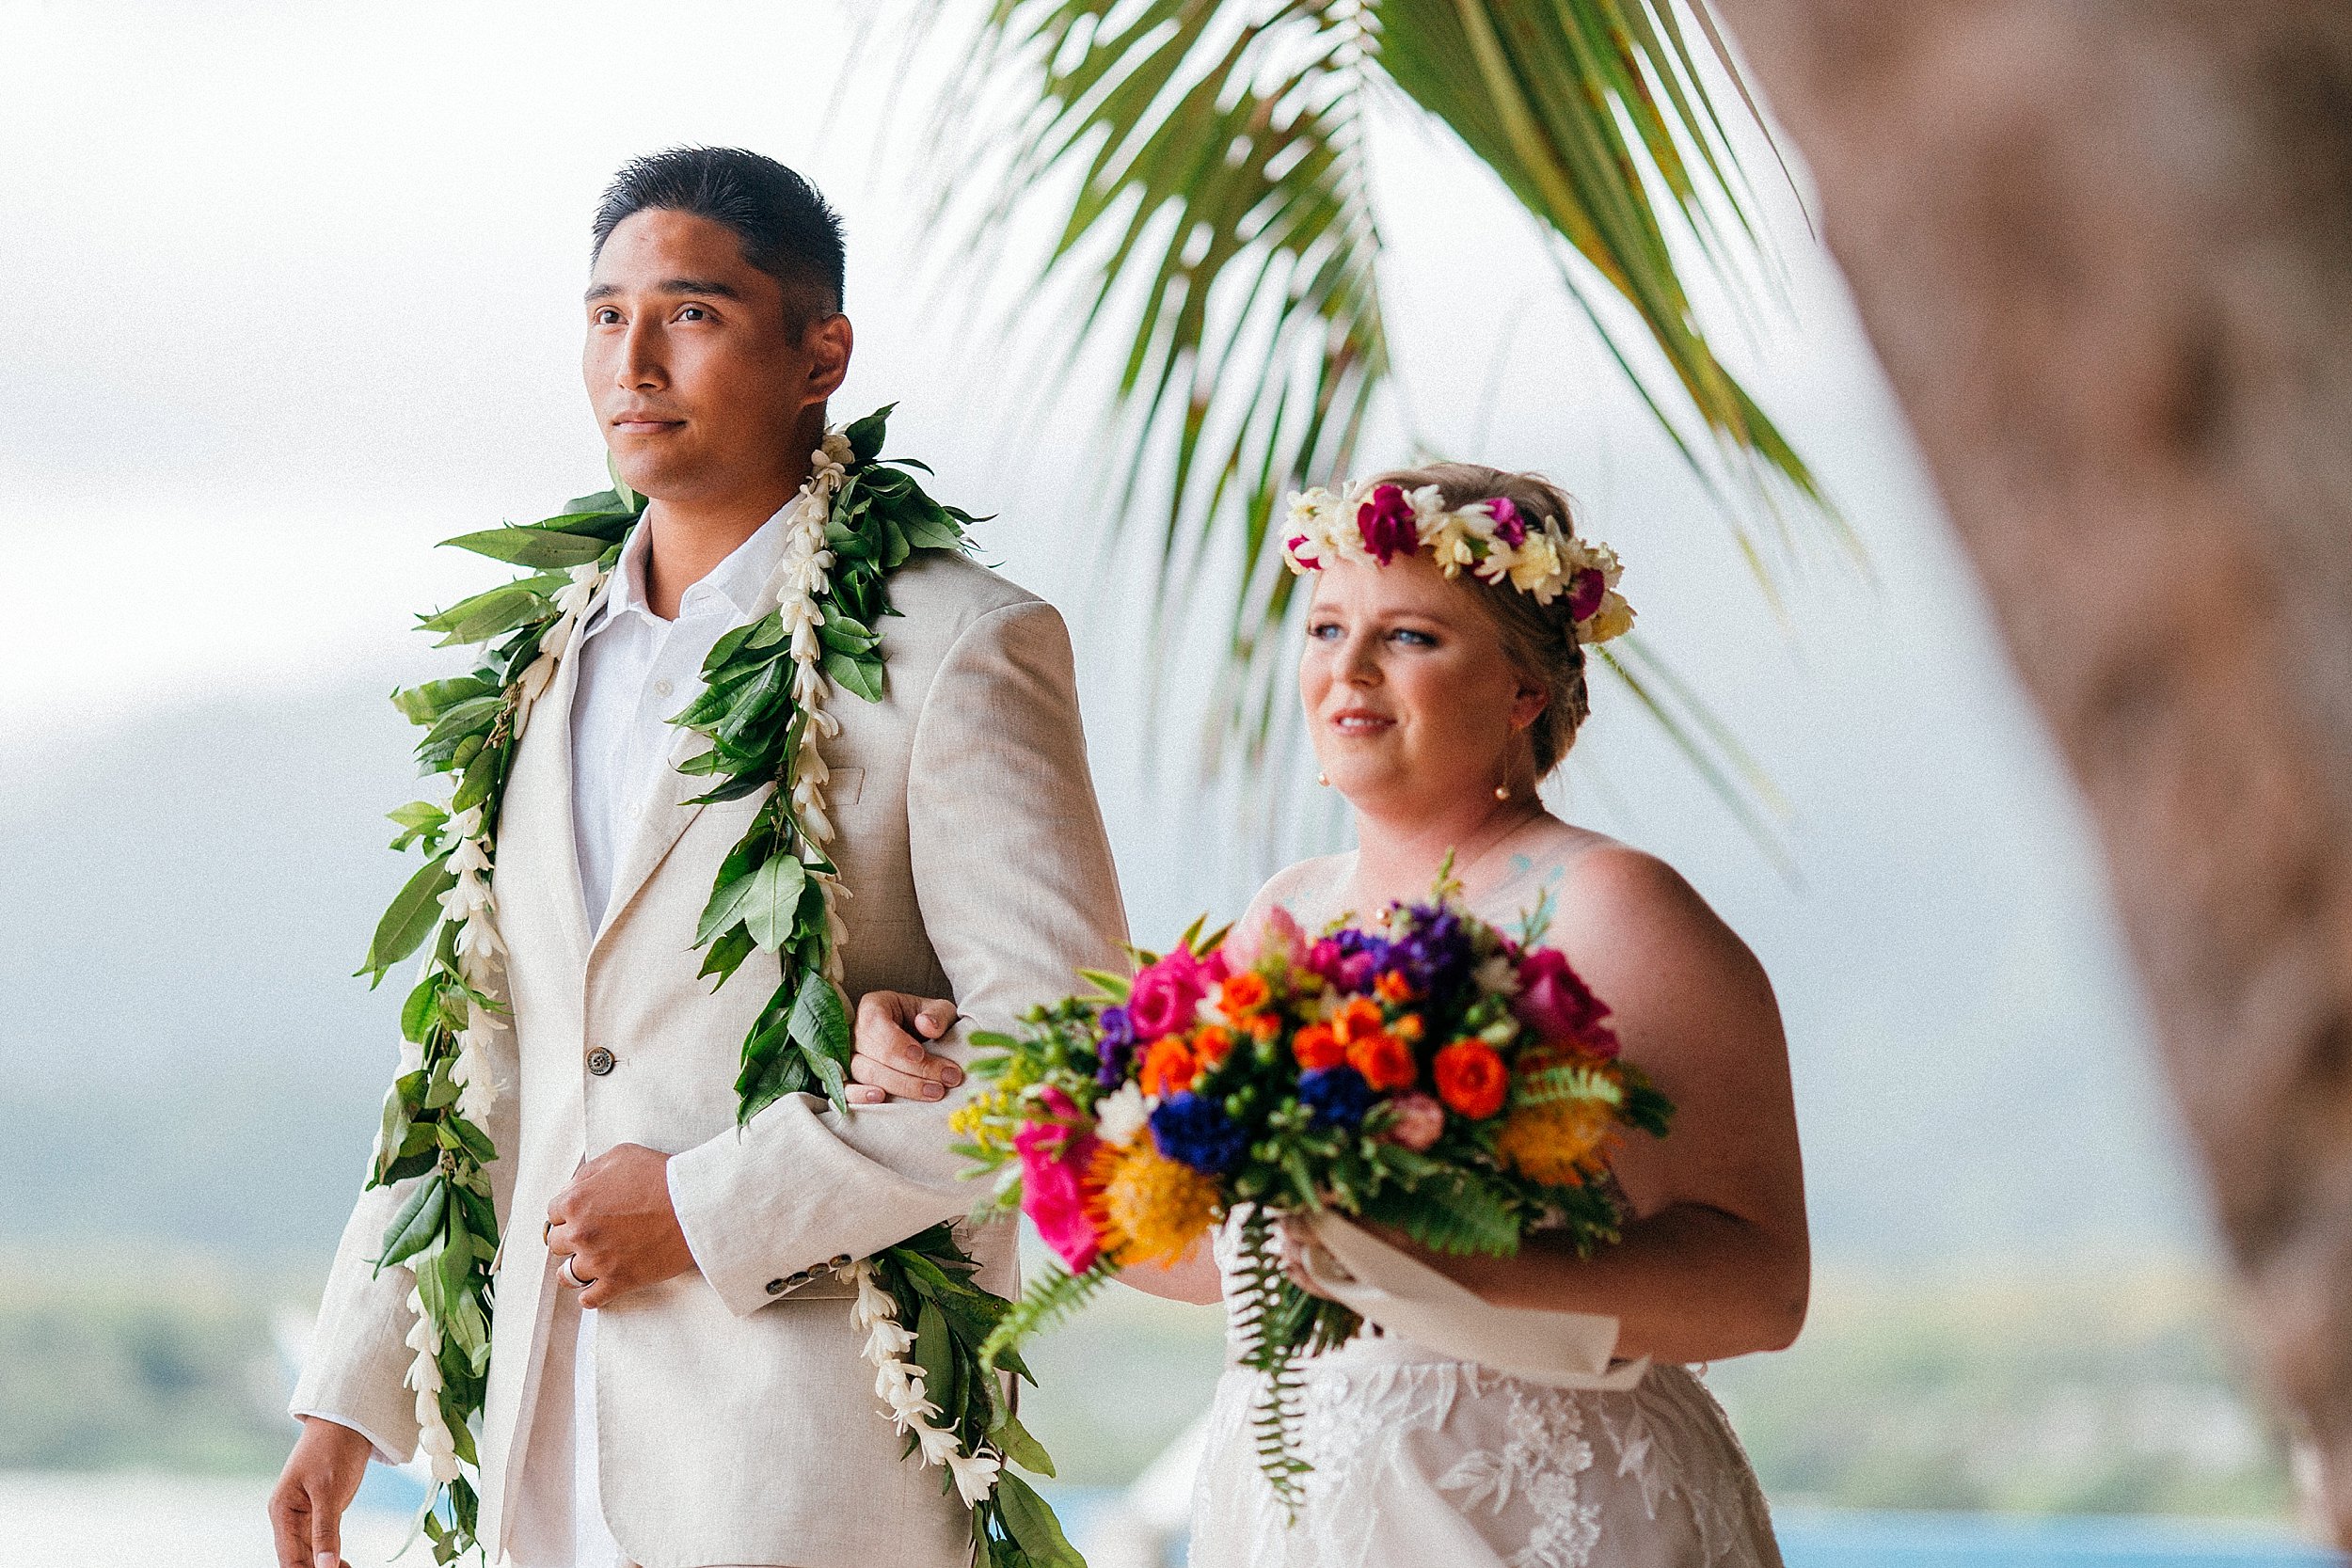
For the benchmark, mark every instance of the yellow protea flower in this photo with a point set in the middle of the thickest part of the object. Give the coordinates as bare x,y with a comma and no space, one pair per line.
1562,1121
1149,1207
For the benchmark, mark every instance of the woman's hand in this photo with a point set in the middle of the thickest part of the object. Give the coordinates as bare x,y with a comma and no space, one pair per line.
890,1061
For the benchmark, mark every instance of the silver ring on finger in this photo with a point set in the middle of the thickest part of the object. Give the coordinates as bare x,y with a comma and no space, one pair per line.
564,1271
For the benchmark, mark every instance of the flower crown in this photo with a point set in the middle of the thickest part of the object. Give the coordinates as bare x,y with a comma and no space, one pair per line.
1379,523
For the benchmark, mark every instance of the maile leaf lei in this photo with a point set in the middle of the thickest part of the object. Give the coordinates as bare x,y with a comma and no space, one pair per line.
761,713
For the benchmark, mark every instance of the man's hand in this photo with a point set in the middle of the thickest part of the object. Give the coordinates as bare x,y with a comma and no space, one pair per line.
890,1061
616,1224
306,1508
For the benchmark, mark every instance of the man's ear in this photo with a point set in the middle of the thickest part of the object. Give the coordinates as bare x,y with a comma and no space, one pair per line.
830,343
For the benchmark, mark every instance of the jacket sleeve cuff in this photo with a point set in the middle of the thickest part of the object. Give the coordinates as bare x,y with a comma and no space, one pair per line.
383,1454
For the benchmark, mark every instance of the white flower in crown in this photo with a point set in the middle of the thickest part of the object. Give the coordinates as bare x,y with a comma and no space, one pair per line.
1373,525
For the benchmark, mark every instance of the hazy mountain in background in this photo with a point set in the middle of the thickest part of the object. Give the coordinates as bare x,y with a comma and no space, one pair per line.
189,1061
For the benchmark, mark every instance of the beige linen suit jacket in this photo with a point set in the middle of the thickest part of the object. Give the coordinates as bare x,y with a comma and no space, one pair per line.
736,1422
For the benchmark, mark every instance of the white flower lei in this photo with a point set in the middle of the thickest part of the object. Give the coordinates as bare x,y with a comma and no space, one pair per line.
799,578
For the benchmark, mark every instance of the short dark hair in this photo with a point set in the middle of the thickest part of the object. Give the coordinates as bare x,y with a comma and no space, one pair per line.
787,230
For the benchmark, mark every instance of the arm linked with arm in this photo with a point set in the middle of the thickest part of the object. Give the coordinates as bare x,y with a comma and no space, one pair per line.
1013,872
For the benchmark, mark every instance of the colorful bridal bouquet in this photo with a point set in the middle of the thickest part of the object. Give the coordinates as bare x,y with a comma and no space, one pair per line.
1423,1071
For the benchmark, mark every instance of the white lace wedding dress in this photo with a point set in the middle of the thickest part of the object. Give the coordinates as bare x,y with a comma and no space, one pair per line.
1425,1462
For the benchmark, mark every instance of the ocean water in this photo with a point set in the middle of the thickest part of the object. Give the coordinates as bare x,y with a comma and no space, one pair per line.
136,1521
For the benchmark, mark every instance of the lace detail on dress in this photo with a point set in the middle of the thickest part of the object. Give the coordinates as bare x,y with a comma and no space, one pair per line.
1541,1460
1725,1505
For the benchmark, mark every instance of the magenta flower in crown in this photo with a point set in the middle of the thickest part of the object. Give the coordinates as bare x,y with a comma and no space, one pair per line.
1388,524
1585,592
1509,526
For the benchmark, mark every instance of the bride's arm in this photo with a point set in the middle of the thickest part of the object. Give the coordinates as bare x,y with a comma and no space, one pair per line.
1715,1261
1192,1277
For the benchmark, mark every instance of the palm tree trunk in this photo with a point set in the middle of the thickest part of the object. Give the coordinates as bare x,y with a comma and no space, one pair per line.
2104,250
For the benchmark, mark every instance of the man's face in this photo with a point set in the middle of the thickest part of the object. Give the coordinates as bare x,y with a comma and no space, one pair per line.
694,365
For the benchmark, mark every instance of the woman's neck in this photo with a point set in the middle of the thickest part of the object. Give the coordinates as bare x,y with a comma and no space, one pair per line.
1398,854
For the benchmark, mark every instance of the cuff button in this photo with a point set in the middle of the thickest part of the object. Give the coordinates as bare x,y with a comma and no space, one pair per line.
775,1287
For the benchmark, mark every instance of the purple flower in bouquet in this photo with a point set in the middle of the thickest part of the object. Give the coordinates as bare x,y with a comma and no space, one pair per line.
1339,1097
1388,524
1435,952
1195,1130
1117,1048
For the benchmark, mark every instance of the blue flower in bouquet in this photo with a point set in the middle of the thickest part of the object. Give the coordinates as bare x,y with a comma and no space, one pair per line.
1338,1095
1196,1132
1117,1047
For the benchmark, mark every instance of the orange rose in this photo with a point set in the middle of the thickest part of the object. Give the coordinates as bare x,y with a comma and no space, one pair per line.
1169,1067
1361,1017
1211,1044
1393,987
1472,1078
1407,1027
1316,1047
1244,992
1264,1027
1386,1062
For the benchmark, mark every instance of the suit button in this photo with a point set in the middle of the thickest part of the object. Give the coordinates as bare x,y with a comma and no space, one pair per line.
600,1061
775,1287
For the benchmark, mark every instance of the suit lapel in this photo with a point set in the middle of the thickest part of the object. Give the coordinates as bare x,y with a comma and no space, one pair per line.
538,812
666,817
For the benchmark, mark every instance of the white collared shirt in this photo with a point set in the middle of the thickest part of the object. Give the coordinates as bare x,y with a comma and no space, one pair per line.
637,673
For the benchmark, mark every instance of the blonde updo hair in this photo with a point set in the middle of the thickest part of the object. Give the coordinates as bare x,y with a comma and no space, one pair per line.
1540,639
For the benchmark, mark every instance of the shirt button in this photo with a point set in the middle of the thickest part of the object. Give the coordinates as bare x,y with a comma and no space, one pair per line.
600,1061
663,689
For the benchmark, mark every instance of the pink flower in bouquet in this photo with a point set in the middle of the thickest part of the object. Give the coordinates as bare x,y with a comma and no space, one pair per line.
1054,1159
1279,936
1387,525
1554,1002
1417,1121
1167,993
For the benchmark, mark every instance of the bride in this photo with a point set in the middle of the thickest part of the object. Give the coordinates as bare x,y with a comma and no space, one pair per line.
1437,702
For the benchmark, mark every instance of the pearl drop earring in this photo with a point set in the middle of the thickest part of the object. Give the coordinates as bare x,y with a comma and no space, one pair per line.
1322,778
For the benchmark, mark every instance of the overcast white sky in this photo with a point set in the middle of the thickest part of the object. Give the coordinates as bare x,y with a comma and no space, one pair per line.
293,292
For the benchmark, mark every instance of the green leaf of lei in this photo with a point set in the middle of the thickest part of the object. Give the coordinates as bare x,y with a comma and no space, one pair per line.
416,909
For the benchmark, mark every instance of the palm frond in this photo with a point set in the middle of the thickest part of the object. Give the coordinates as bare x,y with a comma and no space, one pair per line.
1592,114
1213,230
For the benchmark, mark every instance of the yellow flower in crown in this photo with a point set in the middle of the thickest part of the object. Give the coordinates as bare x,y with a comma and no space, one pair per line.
1492,538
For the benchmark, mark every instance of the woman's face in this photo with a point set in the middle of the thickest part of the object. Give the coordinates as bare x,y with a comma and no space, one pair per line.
1411,700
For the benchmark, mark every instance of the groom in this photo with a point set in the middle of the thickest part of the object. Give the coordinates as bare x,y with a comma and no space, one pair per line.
675,1376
